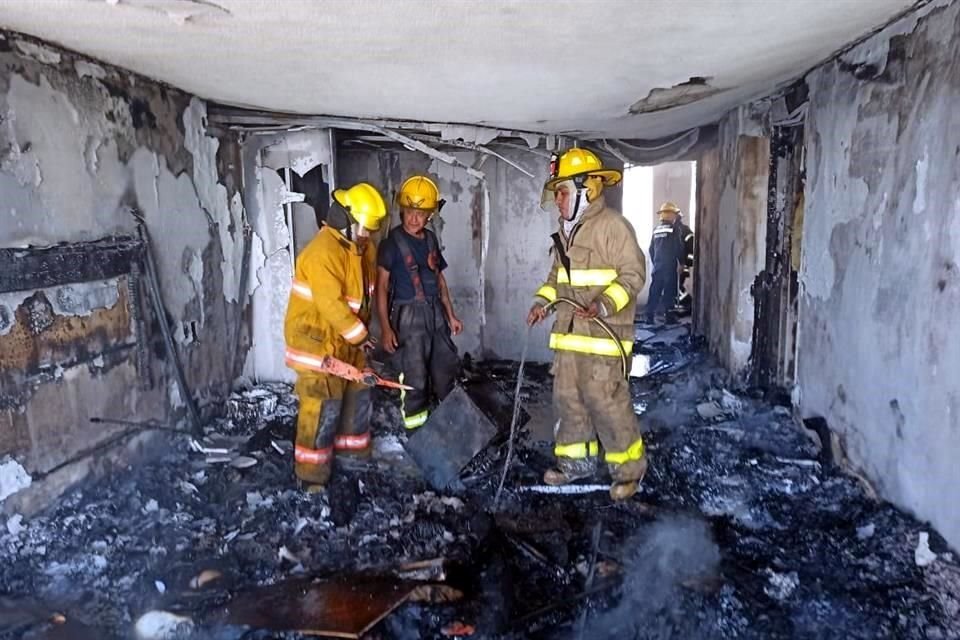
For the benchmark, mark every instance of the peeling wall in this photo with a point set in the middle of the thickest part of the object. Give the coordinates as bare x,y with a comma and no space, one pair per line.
82,145
271,267
731,229
879,353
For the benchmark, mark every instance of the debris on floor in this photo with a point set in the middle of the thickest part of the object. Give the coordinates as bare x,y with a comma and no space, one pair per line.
738,531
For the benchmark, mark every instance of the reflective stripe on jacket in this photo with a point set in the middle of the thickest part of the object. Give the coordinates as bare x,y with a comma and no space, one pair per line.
330,300
606,265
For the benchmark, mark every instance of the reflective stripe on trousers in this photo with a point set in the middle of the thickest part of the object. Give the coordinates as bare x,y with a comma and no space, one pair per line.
352,442
312,456
633,452
413,421
577,450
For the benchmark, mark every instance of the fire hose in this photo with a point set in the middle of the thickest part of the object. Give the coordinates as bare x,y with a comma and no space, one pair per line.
624,365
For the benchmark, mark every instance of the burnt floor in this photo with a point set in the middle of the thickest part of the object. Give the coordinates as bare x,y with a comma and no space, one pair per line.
740,531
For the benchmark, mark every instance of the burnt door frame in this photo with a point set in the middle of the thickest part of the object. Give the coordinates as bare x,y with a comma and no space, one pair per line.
772,354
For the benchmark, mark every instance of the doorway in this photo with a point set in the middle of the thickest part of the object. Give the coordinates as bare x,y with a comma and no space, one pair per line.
645,188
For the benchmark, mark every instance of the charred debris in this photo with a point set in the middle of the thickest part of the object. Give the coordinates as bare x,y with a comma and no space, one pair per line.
743,529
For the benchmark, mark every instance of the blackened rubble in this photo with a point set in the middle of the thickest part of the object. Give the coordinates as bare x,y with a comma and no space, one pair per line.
739,532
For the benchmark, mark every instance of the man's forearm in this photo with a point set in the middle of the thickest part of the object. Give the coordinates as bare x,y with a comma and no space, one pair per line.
445,298
383,314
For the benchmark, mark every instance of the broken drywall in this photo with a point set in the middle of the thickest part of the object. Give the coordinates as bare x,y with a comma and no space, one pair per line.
271,270
83,146
299,150
878,354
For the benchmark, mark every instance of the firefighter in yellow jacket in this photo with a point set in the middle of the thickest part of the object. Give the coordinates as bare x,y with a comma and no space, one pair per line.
328,315
599,265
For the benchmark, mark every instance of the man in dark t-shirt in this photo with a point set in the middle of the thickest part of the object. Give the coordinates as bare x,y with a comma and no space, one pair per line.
416,314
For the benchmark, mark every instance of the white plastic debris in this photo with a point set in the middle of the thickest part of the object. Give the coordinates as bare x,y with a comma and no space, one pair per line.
781,585
301,523
205,577
285,554
14,525
13,478
453,502
731,403
243,462
161,588
923,555
161,625
188,487
151,506
866,532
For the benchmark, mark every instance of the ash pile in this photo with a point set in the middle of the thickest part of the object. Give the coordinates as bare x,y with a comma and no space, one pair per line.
744,528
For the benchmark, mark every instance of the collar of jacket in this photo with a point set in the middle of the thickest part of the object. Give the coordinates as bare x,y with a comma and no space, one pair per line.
339,237
592,210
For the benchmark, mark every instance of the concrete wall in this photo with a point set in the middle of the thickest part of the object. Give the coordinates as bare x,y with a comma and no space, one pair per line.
514,229
879,353
732,214
82,146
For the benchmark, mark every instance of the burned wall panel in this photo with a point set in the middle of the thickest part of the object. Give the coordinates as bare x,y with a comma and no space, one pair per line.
84,148
879,354
732,228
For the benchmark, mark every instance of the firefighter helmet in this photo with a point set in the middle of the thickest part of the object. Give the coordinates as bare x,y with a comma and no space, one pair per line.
364,204
579,163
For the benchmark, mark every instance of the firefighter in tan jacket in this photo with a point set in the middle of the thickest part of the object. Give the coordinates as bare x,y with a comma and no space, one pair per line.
598,264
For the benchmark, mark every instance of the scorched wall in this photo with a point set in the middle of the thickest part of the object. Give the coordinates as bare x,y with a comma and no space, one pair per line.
879,351
83,146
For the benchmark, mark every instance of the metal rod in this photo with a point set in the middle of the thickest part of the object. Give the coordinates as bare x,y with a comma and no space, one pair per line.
160,310
147,425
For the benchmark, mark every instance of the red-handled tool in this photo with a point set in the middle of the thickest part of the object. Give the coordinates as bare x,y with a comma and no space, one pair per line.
367,377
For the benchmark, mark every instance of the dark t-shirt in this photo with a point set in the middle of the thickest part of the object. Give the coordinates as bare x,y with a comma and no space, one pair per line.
390,258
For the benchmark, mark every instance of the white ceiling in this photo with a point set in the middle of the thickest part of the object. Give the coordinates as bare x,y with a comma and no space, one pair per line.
540,65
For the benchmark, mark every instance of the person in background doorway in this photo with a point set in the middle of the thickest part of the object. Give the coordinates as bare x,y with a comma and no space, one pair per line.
598,264
685,300
416,313
667,255
328,314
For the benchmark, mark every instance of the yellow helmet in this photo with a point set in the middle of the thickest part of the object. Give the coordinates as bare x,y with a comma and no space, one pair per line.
419,192
364,204
575,163
668,207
